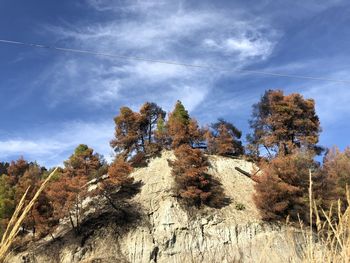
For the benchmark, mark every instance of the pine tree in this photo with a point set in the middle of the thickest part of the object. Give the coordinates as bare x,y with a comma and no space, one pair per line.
30,180
161,134
190,172
196,134
69,190
282,188
282,123
150,113
83,162
193,183
223,139
7,201
16,170
127,133
336,171
178,123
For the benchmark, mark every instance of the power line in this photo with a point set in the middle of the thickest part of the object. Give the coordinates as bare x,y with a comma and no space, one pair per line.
258,72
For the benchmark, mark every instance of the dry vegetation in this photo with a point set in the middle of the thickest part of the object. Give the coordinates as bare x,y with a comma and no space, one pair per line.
285,126
20,214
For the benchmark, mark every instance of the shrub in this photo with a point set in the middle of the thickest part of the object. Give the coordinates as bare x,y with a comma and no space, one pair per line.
240,206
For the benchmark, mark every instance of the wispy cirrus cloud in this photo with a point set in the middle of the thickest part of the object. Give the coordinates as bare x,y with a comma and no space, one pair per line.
160,30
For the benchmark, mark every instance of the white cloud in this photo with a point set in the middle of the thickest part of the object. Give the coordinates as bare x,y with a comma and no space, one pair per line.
125,5
245,47
160,30
56,144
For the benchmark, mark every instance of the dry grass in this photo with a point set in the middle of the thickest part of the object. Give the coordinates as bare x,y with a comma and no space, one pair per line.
18,217
330,243
332,235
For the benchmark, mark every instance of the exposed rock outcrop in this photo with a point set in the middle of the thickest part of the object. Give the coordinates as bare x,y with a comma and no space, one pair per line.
163,231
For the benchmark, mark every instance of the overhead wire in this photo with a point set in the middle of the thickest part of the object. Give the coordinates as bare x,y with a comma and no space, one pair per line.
208,67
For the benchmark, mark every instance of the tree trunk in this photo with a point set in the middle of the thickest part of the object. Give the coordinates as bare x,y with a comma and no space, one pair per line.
72,223
110,201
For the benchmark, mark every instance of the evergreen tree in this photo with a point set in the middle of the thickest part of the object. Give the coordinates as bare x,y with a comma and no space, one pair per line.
150,114
7,201
16,169
127,133
178,123
193,183
83,162
282,123
69,190
3,167
161,134
336,171
282,188
223,139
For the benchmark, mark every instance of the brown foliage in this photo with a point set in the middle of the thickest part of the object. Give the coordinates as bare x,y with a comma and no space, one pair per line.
193,184
282,123
16,170
178,123
135,132
196,134
150,113
84,162
118,186
178,132
336,171
67,192
57,192
223,139
282,188
127,132
30,179
118,175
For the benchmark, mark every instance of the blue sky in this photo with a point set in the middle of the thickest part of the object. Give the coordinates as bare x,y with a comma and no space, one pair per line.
52,101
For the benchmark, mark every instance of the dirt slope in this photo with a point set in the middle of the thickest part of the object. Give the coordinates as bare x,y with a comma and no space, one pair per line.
165,232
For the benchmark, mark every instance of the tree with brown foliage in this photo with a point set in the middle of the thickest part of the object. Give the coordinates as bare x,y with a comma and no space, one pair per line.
37,221
127,132
150,112
66,195
29,180
69,190
193,183
336,170
178,123
58,192
196,134
118,181
16,170
83,162
118,175
223,139
282,123
282,188
135,132
43,216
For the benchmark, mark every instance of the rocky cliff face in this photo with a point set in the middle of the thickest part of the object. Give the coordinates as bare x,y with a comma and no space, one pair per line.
165,232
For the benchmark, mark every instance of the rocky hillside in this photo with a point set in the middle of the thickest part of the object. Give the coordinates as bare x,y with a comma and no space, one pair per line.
154,227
